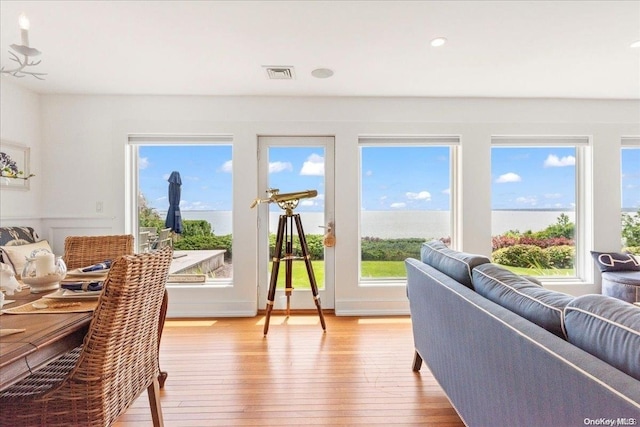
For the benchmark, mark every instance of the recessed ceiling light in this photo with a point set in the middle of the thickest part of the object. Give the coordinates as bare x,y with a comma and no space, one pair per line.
437,42
322,73
635,44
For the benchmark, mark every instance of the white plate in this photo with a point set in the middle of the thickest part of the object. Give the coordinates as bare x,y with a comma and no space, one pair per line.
77,272
67,294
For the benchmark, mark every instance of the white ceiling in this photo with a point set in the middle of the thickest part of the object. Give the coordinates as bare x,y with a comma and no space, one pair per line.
558,49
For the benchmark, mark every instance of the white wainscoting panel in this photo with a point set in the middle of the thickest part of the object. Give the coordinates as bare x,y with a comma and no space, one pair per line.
55,230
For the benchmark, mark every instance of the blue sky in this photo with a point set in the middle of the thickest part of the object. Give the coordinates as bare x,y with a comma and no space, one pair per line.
393,178
533,178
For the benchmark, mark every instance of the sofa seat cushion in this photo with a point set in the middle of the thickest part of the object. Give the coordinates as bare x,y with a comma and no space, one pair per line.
608,329
455,264
529,300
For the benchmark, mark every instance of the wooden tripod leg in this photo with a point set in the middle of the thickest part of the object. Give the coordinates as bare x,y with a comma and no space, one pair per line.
271,296
288,264
307,262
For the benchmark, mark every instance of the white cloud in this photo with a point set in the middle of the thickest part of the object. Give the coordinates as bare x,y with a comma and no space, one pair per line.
275,167
527,200
398,205
143,162
160,199
423,195
227,166
508,177
307,202
314,166
446,191
194,206
552,196
553,161
369,173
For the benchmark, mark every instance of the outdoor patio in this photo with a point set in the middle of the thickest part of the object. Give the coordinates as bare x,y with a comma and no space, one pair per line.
196,261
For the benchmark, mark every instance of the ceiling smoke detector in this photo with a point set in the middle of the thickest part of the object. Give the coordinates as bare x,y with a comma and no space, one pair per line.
283,72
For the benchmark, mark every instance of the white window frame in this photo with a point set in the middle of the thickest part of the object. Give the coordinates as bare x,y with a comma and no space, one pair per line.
132,182
453,142
584,196
628,142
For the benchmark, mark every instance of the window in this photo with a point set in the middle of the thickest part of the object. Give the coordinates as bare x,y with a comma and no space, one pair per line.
537,208
630,180
405,199
203,248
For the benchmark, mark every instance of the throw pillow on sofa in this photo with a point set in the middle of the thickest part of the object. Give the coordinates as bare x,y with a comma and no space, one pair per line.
615,261
455,264
529,300
16,256
607,328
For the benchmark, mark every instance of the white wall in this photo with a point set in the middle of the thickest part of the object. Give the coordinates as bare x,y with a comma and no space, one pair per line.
20,123
84,137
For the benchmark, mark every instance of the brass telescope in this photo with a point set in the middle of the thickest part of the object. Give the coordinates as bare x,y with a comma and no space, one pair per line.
286,201
284,252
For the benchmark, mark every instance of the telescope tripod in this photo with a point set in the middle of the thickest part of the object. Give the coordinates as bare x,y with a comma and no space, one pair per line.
285,237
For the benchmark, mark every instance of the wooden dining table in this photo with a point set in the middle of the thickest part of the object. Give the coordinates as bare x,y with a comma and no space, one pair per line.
46,336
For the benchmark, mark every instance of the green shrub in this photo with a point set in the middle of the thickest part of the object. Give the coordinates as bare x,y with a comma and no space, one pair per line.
196,227
190,243
635,250
562,228
560,256
631,229
314,246
527,256
375,249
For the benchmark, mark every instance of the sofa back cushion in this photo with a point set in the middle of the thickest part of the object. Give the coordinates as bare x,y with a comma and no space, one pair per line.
608,328
529,300
455,264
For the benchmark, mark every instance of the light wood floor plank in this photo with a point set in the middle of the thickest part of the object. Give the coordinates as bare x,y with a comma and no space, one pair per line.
223,372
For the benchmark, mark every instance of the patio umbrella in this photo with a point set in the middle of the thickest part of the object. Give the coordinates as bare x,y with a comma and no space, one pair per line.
174,218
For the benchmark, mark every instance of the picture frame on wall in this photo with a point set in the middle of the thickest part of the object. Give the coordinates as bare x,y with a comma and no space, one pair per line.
14,166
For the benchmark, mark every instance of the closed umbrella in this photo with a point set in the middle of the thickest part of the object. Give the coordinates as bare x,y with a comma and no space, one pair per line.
174,218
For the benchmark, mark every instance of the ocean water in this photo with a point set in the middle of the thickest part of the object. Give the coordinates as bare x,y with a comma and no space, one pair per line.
396,224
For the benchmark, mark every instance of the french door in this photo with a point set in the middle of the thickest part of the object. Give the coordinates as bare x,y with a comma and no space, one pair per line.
293,164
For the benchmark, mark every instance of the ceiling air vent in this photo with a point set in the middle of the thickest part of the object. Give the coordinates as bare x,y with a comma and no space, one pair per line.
279,72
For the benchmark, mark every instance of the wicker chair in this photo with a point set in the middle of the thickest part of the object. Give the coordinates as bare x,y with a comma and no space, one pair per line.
81,251
95,383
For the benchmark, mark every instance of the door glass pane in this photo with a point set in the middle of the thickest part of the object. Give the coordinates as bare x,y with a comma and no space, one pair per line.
205,243
533,198
631,200
405,200
295,169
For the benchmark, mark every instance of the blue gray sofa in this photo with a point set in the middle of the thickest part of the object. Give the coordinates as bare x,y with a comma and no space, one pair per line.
508,352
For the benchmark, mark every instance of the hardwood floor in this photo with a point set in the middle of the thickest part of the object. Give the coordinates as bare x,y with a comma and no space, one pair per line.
223,372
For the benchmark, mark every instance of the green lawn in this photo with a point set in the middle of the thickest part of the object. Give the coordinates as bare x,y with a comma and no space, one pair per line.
383,269
299,276
370,269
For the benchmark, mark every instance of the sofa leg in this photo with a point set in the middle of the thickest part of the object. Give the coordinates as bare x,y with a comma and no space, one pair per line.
417,362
